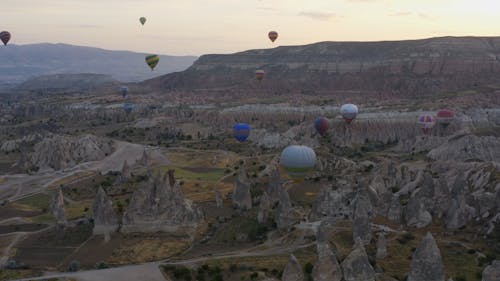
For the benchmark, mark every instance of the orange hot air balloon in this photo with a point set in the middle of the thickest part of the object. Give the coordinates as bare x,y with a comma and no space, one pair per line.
273,35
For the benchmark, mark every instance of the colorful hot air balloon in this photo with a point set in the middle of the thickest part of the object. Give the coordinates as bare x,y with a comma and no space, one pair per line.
259,74
298,161
273,35
349,112
426,123
5,37
241,131
128,107
321,125
124,91
152,61
445,117
142,20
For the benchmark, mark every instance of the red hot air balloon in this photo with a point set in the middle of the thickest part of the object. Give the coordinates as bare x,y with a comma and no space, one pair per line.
273,35
5,37
321,125
445,117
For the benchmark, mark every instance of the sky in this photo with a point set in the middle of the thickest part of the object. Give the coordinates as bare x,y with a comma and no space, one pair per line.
196,27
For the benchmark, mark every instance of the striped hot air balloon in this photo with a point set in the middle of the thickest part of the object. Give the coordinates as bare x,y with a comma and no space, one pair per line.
445,117
152,61
298,161
273,35
5,37
321,125
349,112
259,74
426,122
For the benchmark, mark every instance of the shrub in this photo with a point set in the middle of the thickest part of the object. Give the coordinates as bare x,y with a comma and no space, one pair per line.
74,266
308,268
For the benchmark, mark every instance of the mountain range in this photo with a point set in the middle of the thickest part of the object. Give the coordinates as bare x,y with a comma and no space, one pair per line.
409,68
21,62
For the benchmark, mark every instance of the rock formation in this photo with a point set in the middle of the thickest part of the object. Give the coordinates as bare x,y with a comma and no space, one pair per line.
264,208
57,207
242,198
336,204
285,216
60,152
395,210
274,188
218,199
381,247
426,263
105,219
486,148
326,267
492,272
159,205
361,227
126,174
144,161
293,270
356,266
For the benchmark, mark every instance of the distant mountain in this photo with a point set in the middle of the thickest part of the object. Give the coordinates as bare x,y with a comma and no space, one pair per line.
410,68
20,62
68,83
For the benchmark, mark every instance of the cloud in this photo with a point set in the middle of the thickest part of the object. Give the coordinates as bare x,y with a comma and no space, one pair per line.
405,14
317,15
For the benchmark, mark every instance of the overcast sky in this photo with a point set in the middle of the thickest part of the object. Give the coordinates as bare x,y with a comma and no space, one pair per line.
195,27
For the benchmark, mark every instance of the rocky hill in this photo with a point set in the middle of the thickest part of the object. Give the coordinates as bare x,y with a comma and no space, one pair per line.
404,68
68,82
20,62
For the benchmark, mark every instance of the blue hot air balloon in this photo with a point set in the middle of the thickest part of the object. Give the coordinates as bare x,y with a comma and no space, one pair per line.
298,161
128,107
124,91
241,131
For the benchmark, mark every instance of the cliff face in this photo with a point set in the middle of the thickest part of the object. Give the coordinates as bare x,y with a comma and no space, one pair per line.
408,68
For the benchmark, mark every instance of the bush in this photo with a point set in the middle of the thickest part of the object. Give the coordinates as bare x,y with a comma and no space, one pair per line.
308,268
101,265
74,266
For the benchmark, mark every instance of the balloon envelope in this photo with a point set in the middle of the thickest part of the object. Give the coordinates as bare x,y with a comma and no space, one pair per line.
349,112
5,37
241,131
273,35
152,61
142,20
445,117
298,161
259,74
426,123
128,107
321,125
124,91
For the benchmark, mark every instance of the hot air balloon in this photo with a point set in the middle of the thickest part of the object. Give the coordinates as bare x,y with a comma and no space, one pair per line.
298,161
241,131
321,125
128,107
349,112
445,117
152,61
426,123
142,20
5,37
124,91
273,35
259,74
